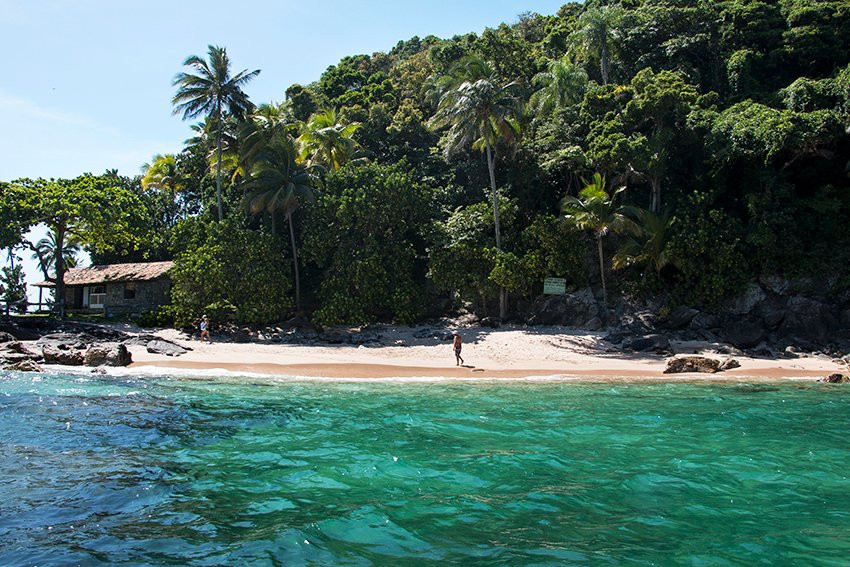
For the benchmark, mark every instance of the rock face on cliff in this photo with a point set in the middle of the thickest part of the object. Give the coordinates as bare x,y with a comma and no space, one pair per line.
571,310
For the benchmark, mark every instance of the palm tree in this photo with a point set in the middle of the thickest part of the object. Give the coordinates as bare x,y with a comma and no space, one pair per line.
163,174
45,252
278,182
481,111
210,91
647,243
597,27
596,211
326,141
561,85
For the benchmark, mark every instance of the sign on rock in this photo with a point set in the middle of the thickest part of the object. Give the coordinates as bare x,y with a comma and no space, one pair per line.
554,286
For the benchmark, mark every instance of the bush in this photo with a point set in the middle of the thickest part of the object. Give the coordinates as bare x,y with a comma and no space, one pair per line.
234,274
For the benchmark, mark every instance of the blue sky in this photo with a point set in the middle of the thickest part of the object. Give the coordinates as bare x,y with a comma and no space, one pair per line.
87,83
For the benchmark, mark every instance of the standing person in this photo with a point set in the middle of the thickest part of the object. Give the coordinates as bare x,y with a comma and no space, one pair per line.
205,329
456,343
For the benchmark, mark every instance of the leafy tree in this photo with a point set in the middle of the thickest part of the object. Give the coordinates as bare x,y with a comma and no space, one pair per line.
232,273
364,236
164,174
211,90
647,243
596,211
13,286
482,111
279,183
96,210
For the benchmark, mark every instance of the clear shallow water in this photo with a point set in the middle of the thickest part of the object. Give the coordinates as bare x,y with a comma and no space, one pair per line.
158,471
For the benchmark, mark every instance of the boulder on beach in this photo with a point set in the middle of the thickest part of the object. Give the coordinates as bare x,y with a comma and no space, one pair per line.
167,348
24,366
687,364
835,379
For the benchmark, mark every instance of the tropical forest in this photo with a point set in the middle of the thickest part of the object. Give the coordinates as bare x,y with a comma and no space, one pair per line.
666,153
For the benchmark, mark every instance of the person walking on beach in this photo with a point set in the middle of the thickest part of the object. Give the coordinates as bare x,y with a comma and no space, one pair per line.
205,329
456,343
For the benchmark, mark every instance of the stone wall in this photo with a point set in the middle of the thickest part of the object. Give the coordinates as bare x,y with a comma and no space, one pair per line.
149,295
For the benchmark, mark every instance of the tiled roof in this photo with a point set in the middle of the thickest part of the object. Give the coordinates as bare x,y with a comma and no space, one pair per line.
140,271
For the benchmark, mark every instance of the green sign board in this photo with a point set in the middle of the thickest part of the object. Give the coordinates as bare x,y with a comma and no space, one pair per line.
554,286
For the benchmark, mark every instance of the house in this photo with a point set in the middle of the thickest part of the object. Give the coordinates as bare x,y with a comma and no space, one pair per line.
116,288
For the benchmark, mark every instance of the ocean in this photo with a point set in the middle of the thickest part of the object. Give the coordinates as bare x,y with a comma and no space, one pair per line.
154,470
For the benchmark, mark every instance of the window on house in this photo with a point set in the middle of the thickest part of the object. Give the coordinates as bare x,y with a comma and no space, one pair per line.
129,290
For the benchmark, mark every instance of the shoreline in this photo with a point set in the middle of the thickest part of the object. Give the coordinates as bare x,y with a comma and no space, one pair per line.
392,372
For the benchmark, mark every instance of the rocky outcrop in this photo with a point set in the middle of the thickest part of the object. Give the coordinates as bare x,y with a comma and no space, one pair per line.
688,364
654,343
103,355
570,310
729,364
680,317
66,357
744,334
809,319
835,379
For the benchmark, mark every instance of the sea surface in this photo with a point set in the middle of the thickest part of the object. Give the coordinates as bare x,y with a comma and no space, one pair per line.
100,470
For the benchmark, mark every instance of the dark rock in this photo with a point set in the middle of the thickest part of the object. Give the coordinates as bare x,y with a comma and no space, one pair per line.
24,366
772,312
729,364
53,355
6,337
835,379
334,337
647,343
19,332
680,317
141,340
845,317
790,352
571,310
616,337
66,341
704,321
744,334
159,346
98,370
692,364
491,322
775,284
808,319
103,355
747,301
241,335
593,325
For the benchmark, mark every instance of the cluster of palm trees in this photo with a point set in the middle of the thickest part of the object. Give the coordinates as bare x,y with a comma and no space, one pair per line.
277,161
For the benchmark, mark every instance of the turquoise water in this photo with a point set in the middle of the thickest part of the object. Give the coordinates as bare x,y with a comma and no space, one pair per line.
158,471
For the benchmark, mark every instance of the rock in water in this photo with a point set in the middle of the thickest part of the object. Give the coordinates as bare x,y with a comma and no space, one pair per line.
692,364
100,355
165,347
835,379
24,366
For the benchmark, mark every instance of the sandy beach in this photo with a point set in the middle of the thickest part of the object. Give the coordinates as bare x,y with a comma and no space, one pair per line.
503,353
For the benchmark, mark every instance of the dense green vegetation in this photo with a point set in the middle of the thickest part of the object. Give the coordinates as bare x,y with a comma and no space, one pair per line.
656,148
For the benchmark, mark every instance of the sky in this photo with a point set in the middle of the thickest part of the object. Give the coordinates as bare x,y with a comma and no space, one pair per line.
88,83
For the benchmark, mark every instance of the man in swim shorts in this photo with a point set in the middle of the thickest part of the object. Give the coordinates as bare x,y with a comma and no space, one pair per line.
457,342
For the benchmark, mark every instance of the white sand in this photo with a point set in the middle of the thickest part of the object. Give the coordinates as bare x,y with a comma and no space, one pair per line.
501,353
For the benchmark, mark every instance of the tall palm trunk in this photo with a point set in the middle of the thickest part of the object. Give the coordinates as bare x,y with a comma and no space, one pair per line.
294,261
602,270
655,200
60,271
604,56
218,161
491,167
